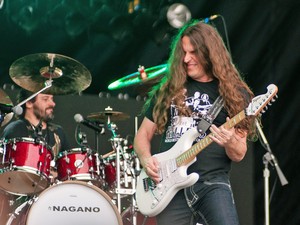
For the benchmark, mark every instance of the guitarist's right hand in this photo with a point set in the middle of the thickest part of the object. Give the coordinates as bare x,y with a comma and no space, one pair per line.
151,167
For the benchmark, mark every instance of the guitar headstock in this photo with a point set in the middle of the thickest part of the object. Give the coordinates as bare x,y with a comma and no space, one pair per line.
260,102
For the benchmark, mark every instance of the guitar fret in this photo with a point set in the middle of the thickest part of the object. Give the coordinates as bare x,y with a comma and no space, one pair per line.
189,155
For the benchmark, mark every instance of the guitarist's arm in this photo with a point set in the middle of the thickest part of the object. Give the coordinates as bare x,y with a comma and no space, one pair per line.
233,140
142,147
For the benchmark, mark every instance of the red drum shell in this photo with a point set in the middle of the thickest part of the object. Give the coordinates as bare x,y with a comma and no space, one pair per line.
26,166
76,164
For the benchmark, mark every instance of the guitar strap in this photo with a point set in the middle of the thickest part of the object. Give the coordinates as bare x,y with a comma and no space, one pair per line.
207,119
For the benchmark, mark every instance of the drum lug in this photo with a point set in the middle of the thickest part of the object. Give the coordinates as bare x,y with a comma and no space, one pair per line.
11,163
39,168
41,150
68,172
91,171
67,159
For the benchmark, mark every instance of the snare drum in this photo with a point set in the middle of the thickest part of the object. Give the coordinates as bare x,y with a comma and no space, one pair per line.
78,164
26,166
73,202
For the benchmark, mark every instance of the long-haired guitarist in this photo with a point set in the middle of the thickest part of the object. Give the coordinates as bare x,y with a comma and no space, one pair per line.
200,69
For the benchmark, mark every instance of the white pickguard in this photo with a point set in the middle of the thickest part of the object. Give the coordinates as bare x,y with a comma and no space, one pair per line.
154,201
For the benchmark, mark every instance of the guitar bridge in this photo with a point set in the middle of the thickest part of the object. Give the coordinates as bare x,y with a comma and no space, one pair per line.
148,184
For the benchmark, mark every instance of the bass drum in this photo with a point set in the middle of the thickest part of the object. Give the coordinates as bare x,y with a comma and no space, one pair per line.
128,218
73,203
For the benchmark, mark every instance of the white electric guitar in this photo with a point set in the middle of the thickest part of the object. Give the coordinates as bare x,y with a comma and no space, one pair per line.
153,198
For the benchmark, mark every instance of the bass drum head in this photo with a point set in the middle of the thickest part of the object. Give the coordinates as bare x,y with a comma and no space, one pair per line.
73,203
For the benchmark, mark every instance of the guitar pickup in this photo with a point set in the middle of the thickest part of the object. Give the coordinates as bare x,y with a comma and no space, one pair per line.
148,184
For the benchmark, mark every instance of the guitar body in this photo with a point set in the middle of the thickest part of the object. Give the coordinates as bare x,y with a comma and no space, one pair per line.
152,201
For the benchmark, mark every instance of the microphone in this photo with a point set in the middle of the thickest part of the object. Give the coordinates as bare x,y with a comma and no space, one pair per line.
5,108
79,119
206,20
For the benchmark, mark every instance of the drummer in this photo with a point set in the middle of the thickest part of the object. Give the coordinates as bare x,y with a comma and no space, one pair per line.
35,122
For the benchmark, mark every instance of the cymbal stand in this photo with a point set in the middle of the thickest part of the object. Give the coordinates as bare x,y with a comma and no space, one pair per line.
18,210
48,84
135,172
117,146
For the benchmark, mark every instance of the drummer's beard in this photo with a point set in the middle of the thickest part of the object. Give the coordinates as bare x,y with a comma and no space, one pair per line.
44,116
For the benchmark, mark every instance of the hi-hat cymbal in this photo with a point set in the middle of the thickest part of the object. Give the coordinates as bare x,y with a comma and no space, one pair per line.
4,99
68,75
142,77
108,115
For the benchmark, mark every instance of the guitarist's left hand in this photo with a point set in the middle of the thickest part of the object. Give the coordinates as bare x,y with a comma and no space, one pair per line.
234,142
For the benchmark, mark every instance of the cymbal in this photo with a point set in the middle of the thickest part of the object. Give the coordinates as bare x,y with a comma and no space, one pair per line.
108,115
68,75
6,100
142,77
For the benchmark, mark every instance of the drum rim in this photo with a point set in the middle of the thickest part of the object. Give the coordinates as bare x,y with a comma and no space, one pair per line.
30,140
74,151
20,139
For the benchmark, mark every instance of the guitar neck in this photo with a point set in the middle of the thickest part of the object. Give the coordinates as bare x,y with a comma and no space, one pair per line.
187,156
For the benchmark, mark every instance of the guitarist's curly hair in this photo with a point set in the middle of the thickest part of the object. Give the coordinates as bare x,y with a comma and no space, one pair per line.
216,61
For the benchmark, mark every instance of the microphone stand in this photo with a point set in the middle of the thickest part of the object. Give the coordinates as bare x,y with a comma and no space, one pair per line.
98,163
268,158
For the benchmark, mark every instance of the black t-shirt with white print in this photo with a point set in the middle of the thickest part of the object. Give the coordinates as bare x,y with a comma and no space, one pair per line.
212,161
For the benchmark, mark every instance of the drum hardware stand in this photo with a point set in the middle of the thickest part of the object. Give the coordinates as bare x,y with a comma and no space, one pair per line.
116,142
121,191
19,209
268,158
135,172
97,133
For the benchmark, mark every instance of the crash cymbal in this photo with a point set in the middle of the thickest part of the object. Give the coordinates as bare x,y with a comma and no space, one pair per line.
4,99
108,115
68,75
142,77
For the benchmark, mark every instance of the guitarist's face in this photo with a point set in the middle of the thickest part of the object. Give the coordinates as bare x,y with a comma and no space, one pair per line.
194,68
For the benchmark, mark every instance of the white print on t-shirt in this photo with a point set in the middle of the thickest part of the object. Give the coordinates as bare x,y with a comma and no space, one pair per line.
199,103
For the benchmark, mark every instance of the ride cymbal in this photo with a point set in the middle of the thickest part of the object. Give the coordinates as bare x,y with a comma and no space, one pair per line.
4,99
142,77
68,75
108,115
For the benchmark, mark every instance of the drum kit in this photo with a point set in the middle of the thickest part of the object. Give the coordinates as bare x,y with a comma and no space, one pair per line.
89,188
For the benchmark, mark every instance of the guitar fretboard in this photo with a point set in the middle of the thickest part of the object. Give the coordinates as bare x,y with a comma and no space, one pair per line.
191,153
